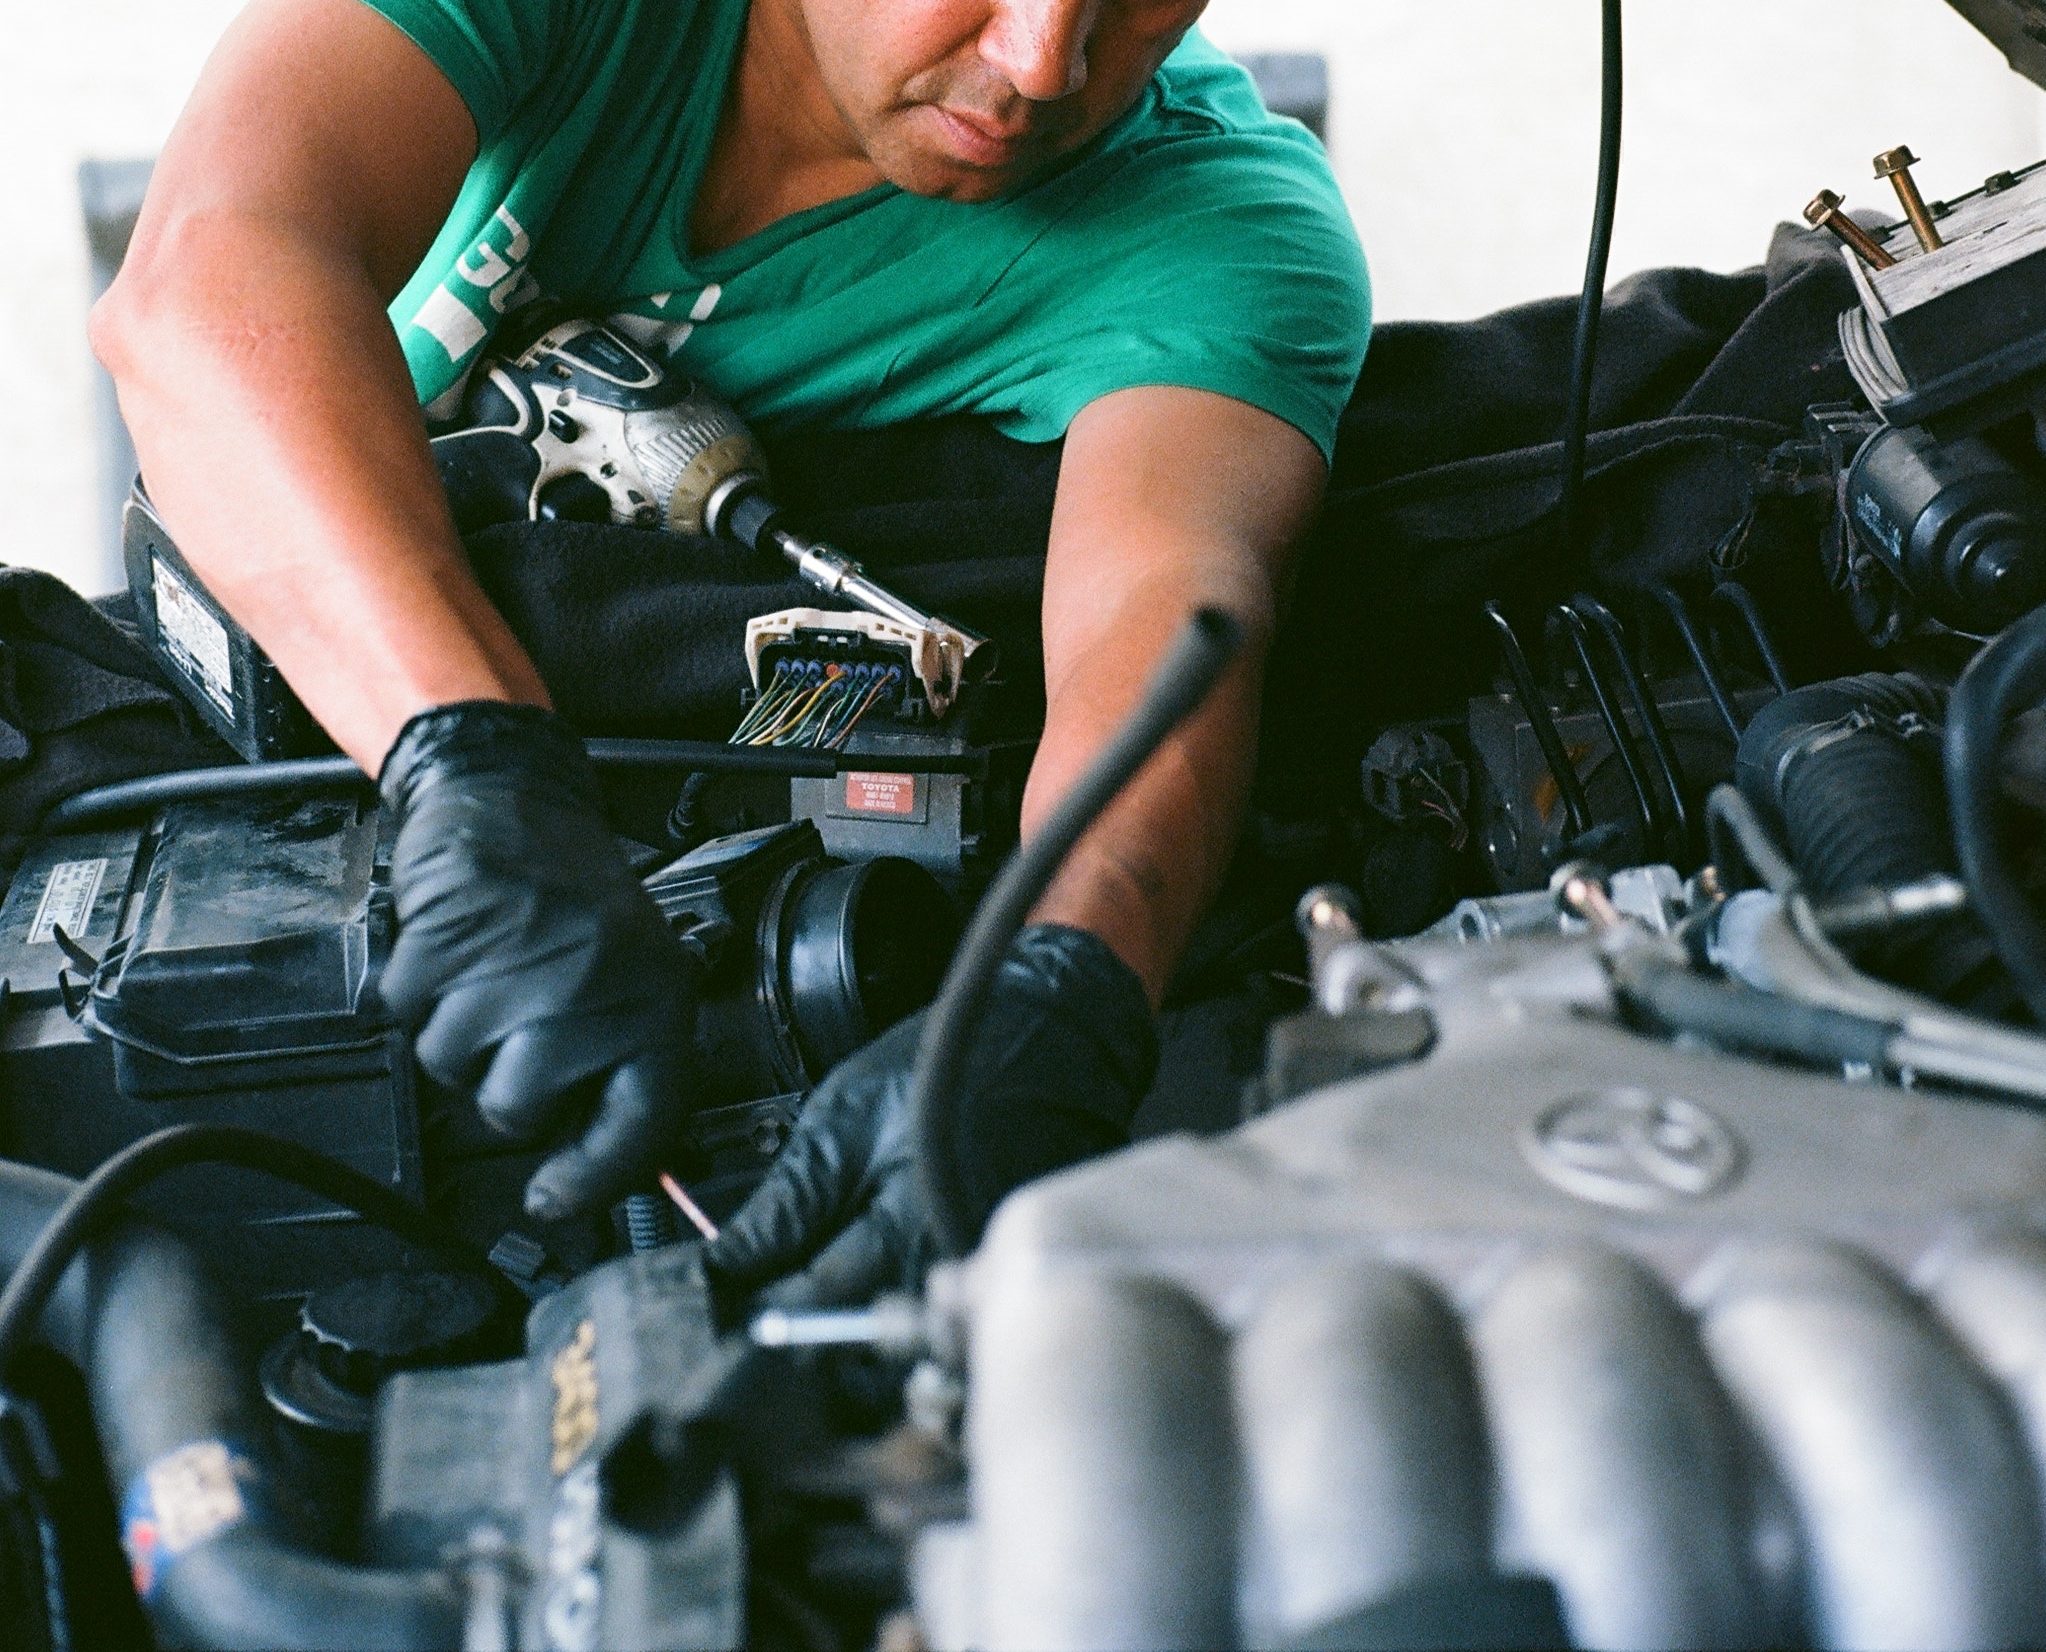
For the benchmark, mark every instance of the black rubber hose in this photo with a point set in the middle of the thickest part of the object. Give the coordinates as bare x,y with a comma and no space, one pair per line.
1848,773
1785,731
2005,680
1851,772
95,1205
1190,670
1591,301
135,1313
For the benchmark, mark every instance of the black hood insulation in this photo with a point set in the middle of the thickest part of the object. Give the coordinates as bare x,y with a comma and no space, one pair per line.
2017,28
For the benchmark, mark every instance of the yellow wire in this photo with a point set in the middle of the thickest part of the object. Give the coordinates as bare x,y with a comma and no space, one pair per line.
783,723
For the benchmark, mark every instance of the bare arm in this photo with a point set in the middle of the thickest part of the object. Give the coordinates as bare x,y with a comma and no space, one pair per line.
1167,499
269,402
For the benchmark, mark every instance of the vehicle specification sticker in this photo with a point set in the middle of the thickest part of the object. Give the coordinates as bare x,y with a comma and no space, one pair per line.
196,640
67,900
890,795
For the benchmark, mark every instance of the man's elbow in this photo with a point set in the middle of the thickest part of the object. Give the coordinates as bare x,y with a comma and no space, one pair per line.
155,300
226,284
110,329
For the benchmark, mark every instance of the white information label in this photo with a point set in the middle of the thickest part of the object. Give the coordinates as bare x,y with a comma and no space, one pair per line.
194,638
196,1494
67,900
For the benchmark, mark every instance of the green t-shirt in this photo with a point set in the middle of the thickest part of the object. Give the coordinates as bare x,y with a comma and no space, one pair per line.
1199,242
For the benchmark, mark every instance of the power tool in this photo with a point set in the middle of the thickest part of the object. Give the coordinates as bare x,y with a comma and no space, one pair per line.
567,420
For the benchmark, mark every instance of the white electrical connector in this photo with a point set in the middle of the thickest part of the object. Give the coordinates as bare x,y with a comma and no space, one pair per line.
934,656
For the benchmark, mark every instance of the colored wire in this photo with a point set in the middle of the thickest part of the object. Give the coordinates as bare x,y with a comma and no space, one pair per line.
789,718
873,694
793,733
814,705
772,695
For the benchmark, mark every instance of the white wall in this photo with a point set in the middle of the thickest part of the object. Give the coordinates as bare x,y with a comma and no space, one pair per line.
1465,135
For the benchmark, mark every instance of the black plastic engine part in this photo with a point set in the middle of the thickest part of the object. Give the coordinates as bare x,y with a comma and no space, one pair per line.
227,678
323,1376
232,987
237,947
583,1457
1959,526
884,801
816,959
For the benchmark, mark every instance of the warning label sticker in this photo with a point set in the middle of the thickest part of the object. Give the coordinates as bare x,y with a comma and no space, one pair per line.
891,795
195,640
67,900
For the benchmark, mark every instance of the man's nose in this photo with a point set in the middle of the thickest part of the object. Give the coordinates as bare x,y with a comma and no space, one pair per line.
1040,46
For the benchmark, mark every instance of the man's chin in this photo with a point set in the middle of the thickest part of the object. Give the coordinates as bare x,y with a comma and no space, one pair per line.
946,179
916,162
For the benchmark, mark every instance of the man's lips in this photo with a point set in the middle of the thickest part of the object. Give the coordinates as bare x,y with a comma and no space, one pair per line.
978,141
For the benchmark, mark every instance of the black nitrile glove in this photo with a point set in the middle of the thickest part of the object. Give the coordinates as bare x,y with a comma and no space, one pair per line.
1063,1051
529,962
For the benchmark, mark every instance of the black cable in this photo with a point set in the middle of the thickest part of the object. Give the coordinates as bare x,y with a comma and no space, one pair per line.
1527,689
155,791
96,1203
2005,680
1591,301
127,797
1190,670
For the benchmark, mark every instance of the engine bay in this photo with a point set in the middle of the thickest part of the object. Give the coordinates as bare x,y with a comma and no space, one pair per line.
1607,1207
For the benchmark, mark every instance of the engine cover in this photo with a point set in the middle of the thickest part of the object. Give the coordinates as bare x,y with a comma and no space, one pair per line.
1733,1354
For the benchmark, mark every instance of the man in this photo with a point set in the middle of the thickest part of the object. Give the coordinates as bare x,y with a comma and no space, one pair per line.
835,212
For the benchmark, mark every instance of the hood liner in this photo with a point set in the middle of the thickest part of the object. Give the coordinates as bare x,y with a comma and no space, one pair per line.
2016,27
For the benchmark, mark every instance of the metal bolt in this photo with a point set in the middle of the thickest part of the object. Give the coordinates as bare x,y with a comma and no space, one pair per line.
1896,165
1580,889
1825,213
1997,182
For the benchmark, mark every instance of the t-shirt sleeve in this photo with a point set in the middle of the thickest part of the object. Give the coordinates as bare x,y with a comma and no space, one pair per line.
1223,262
492,51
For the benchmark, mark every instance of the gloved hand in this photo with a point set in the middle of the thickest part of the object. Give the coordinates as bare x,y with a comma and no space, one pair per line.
1062,1053
529,961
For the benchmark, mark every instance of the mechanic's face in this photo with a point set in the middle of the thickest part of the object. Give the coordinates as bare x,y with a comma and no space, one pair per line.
968,99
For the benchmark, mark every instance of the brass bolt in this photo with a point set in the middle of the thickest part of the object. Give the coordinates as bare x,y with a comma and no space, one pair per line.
1825,213
1896,165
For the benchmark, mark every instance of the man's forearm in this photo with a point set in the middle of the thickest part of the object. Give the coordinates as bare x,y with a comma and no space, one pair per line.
1142,877
276,426
1169,499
